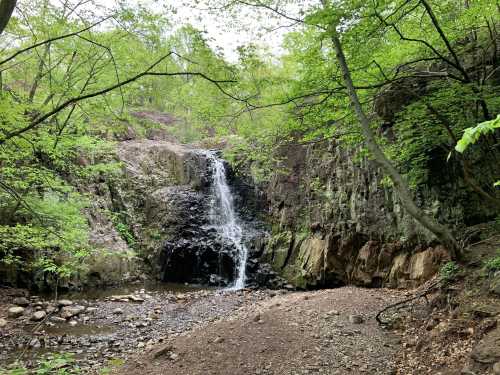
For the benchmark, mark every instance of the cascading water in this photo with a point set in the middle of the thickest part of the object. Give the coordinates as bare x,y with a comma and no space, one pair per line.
223,217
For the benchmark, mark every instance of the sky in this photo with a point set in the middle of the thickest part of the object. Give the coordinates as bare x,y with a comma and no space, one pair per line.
248,25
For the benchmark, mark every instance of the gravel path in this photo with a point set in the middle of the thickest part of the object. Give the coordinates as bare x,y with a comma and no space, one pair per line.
324,332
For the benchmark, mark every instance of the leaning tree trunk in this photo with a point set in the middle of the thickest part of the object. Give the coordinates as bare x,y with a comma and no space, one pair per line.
6,9
440,231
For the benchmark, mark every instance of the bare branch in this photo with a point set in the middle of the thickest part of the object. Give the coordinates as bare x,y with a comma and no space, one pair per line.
147,72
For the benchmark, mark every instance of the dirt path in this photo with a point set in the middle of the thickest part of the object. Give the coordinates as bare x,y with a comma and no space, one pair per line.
293,333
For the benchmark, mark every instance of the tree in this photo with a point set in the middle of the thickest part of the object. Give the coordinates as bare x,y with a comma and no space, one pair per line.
69,83
418,44
401,186
6,9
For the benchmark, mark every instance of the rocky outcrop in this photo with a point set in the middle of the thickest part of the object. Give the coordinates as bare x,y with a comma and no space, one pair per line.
162,204
336,221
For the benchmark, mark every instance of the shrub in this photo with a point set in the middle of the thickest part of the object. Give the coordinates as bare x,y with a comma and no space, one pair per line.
449,272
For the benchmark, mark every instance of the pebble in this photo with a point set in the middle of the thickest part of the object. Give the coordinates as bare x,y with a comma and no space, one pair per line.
256,318
117,311
218,340
73,323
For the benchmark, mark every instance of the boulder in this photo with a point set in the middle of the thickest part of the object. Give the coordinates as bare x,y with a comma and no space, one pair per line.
15,312
21,301
3,322
38,316
496,368
488,349
64,302
68,312
425,264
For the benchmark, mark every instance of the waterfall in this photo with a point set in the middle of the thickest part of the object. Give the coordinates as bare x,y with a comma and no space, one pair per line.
224,218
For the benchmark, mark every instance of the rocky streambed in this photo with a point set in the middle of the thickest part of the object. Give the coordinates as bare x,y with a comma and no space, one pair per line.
112,326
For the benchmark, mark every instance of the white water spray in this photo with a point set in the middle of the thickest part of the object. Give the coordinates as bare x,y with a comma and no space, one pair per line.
224,217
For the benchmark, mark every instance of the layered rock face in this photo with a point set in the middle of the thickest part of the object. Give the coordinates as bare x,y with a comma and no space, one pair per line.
164,198
165,192
336,222
153,199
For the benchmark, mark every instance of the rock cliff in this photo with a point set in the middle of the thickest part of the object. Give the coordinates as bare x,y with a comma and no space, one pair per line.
335,221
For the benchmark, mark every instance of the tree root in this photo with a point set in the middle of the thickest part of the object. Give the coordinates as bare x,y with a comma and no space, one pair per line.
423,294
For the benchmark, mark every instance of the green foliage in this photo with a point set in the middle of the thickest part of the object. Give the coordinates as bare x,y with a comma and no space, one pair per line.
52,364
125,232
449,272
270,102
123,228
54,239
113,363
472,135
493,265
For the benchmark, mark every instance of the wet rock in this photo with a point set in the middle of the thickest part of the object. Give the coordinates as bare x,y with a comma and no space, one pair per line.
135,298
38,315
496,368
21,301
68,312
64,302
356,319
15,312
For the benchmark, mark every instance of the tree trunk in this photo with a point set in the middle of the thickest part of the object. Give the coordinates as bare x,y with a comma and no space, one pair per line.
440,231
6,9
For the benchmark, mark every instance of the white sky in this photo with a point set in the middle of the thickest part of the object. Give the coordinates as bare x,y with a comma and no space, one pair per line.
222,29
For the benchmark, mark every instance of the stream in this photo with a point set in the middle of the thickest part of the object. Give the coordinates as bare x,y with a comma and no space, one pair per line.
112,327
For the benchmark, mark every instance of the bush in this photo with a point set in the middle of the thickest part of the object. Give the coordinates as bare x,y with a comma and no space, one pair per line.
449,272
493,264
58,364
